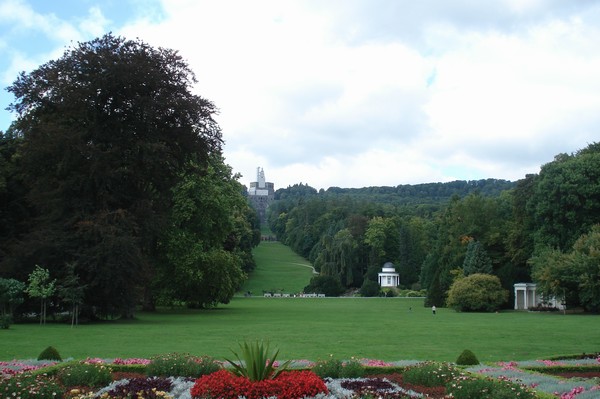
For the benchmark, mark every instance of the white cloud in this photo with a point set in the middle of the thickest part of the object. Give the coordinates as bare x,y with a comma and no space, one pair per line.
358,93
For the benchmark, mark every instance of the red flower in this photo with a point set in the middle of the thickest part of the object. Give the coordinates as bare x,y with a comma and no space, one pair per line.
288,385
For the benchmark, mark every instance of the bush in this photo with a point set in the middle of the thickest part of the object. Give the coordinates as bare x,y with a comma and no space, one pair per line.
181,365
430,374
328,285
369,288
467,387
477,292
334,368
50,353
328,368
352,369
5,321
467,358
27,386
84,374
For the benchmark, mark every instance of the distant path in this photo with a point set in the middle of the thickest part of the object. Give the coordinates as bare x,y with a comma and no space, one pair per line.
301,264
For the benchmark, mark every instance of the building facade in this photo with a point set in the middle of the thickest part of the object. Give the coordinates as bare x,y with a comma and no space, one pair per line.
388,276
261,194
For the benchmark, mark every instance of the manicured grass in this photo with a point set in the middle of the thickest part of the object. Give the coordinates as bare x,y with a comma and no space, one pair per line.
313,328
278,269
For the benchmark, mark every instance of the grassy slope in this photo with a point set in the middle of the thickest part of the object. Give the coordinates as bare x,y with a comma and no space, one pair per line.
278,268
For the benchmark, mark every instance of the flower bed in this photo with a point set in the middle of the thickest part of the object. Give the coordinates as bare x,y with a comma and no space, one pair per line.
383,379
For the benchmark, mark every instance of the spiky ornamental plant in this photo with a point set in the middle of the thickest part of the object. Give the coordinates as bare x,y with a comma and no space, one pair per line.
255,362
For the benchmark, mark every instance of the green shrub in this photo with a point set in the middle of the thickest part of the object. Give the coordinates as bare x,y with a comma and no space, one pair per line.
331,368
334,368
468,387
467,358
256,363
477,292
181,365
27,386
430,374
83,374
5,321
352,369
369,288
50,353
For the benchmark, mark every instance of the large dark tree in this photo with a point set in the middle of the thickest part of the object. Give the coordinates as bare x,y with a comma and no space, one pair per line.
566,198
107,129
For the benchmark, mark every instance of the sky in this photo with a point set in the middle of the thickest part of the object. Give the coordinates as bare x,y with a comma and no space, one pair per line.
357,93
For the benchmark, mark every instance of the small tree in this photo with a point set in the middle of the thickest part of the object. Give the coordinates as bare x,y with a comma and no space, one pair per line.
71,291
11,295
41,287
476,259
369,288
477,292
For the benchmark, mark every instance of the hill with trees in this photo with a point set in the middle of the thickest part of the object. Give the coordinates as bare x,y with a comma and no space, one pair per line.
438,233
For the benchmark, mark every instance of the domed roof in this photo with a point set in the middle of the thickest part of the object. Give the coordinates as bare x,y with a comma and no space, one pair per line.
388,267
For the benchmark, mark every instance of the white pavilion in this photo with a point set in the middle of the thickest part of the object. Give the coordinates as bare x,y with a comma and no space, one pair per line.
527,297
388,276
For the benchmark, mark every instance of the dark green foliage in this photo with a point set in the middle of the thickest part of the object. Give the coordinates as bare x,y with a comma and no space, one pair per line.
5,321
112,148
50,353
477,292
476,259
467,358
82,374
573,276
181,365
328,285
369,288
11,295
566,198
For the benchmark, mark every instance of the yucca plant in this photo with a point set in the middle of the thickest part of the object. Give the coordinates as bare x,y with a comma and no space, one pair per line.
255,362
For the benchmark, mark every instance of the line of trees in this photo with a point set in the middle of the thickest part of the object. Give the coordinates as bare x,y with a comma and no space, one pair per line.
542,228
112,178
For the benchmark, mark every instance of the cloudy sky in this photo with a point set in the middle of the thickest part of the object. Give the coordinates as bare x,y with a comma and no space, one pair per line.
356,93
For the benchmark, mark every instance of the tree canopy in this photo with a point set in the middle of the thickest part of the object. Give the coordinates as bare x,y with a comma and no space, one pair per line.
104,135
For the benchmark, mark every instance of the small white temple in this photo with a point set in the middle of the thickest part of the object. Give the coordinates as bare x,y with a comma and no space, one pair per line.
527,297
388,276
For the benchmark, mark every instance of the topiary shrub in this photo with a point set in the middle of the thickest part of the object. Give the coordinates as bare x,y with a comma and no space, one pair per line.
50,353
467,358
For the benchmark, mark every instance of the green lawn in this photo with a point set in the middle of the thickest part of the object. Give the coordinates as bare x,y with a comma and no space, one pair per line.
278,269
313,328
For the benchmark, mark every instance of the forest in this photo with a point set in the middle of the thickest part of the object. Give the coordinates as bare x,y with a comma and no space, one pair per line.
542,228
